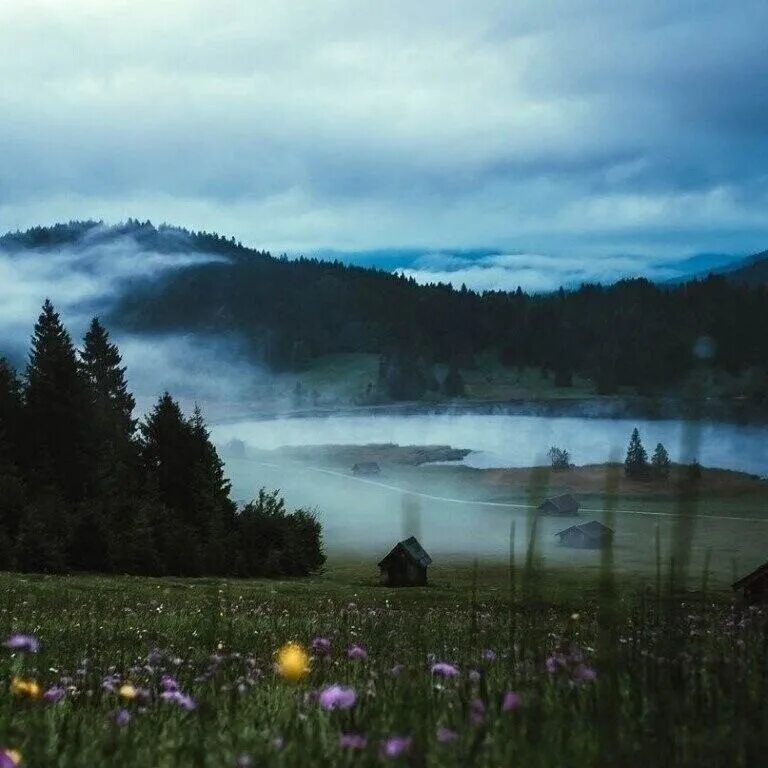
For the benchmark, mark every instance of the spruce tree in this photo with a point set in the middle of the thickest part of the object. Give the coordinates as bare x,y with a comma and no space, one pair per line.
636,462
660,462
10,407
57,412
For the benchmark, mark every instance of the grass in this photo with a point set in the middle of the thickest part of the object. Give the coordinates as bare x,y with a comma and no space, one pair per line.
679,678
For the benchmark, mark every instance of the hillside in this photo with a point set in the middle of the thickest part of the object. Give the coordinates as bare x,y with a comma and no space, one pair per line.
289,313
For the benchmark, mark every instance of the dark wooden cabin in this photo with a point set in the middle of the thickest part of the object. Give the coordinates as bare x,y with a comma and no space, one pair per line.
561,506
406,565
366,468
591,535
754,586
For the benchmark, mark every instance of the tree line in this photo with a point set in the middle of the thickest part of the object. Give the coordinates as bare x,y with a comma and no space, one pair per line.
85,486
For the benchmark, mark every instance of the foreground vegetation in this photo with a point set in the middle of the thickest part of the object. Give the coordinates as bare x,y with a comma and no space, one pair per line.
541,669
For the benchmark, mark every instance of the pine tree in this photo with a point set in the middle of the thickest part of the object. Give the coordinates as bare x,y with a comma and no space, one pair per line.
660,462
10,406
57,412
453,386
636,462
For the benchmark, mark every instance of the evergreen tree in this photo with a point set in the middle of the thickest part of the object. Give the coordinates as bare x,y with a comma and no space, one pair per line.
636,462
57,415
660,462
453,386
10,406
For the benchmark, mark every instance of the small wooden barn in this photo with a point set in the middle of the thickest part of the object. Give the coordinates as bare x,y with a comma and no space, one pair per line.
406,565
561,506
591,535
754,586
366,468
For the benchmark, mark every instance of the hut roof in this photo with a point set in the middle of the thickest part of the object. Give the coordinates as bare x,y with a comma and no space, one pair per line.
594,529
564,503
412,549
759,573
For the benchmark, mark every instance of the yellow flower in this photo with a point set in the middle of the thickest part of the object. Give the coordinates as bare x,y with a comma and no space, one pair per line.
28,688
13,755
127,692
292,662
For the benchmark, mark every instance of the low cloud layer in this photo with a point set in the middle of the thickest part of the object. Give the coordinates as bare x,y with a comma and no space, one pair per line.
583,128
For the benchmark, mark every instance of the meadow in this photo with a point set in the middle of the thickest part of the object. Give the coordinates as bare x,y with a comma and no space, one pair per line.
492,664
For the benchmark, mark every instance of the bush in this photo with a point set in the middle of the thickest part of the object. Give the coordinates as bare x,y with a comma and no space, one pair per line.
559,457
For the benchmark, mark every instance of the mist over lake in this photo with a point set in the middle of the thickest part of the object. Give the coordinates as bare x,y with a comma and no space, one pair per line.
505,440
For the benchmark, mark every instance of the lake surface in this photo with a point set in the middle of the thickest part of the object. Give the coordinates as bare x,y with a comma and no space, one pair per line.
506,440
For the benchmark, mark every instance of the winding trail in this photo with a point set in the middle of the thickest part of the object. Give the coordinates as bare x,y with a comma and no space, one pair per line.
470,502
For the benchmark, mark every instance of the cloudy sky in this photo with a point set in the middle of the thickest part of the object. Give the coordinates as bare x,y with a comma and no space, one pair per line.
584,136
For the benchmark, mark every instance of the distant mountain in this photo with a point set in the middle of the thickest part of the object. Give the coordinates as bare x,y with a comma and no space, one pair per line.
753,270
289,312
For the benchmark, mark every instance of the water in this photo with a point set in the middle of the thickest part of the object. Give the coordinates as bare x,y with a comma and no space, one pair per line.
515,441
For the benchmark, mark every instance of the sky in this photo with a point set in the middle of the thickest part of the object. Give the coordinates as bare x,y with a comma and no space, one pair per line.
530,142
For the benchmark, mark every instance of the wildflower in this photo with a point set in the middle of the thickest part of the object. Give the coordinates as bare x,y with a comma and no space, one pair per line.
395,746
444,669
244,761
446,735
26,643
511,702
168,683
476,712
25,688
321,645
337,697
127,692
397,670
292,662
584,674
278,743
352,741
121,717
474,675
554,662
9,758
489,655
356,652
54,694
181,699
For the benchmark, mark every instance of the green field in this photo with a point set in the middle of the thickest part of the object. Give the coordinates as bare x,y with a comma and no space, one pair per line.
633,672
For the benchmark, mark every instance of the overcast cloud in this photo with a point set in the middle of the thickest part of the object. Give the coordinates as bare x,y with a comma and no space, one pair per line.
589,131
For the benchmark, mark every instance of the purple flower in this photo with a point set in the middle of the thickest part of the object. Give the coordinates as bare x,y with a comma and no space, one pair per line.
337,697
489,655
397,670
321,645
167,683
395,746
584,674
54,694
356,652
352,741
26,643
474,675
554,662
444,669
121,717
446,735
8,759
181,699
511,702
476,712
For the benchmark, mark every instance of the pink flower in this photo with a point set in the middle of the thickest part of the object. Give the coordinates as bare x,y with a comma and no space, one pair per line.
444,669
446,735
352,741
512,701
356,652
337,697
395,746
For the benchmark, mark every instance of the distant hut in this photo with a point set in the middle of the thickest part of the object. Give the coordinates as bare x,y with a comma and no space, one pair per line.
366,468
561,506
406,565
591,535
754,586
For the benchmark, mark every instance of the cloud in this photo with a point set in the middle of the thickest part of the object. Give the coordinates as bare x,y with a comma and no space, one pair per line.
564,127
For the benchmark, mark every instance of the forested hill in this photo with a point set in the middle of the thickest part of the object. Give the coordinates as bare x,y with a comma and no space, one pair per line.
290,311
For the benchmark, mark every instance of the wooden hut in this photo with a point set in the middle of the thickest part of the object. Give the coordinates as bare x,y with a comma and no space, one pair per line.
591,535
406,565
561,506
366,468
754,586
